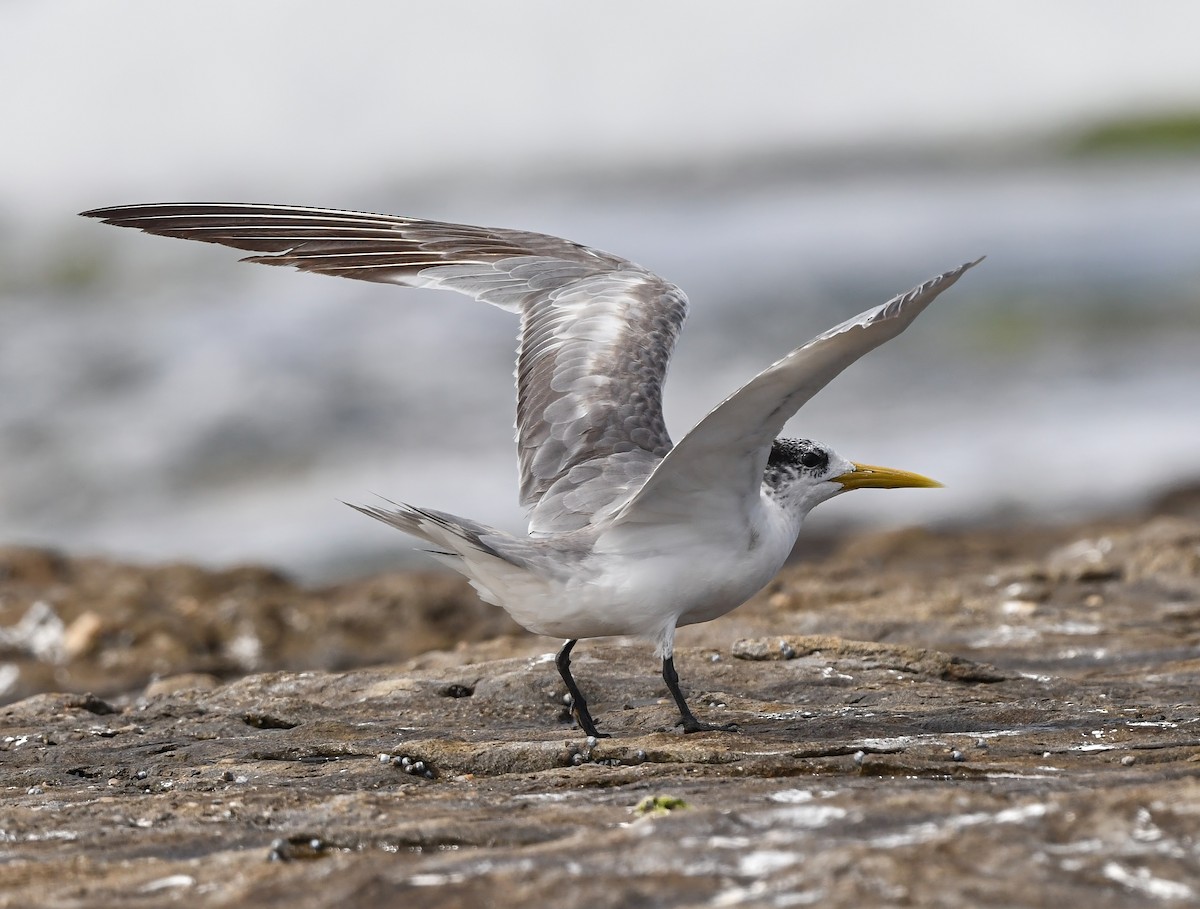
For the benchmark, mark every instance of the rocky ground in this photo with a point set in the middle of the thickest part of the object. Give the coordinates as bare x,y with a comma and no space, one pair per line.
1020,730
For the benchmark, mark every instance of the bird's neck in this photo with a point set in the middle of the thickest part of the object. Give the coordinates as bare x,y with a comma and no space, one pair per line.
782,513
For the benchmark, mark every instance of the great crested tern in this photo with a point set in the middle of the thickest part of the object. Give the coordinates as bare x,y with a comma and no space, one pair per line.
628,534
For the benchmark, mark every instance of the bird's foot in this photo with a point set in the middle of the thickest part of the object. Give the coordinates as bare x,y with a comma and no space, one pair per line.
687,719
578,711
589,728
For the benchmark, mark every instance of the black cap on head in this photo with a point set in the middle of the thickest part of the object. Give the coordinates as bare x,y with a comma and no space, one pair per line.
798,454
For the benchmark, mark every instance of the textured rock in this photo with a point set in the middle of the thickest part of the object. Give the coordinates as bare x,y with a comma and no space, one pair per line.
1018,733
93,625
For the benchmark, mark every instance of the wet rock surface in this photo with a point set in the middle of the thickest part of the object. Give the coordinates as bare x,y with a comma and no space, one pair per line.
973,719
90,625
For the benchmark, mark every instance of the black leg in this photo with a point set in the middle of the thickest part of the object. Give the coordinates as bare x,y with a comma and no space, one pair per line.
689,721
578,704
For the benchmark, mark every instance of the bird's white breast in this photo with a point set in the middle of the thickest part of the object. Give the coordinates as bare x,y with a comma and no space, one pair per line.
646,578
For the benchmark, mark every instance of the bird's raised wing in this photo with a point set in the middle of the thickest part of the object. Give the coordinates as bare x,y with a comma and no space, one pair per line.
725,455
597,332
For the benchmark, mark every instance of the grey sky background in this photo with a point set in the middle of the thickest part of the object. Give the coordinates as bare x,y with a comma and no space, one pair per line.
149,99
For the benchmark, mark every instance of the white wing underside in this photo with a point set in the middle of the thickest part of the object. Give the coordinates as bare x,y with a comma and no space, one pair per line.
597,331
725,455
597,334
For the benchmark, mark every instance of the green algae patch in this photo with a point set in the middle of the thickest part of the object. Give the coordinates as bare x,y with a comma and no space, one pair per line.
659,805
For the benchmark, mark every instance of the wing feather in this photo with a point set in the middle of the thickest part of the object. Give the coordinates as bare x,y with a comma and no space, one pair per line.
726,453
597,331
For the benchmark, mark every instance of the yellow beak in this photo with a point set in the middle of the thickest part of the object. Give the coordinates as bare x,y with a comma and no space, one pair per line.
866,476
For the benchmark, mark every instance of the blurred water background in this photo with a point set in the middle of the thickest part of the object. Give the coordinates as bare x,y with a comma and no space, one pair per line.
788,165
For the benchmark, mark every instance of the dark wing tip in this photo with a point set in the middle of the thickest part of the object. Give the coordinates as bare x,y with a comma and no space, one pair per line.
102,213
118,214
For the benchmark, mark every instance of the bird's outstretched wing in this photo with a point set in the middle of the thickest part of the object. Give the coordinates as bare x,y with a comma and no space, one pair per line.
719,464
597,332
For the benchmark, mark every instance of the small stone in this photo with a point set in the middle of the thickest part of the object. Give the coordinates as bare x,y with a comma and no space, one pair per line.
1129,760
1084,560
1018,608
383,758
168,883
172,684
957,755
81,636
754,650
859,757
591,741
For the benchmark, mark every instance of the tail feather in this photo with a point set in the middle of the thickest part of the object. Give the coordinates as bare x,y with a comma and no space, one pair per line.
441,529
497,565
527,578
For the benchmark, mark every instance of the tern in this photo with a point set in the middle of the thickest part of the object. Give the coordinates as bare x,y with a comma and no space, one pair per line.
628,533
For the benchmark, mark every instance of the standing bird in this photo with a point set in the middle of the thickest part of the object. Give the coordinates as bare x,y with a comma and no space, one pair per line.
628,534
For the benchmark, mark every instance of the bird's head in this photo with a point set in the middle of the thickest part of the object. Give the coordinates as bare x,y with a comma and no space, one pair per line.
802,474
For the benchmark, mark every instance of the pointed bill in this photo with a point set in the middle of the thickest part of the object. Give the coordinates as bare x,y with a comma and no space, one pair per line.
868,476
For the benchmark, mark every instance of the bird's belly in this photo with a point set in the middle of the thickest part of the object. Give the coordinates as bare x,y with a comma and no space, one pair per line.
724,587
642,591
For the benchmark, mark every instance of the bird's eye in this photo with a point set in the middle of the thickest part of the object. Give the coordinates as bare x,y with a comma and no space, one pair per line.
813,459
